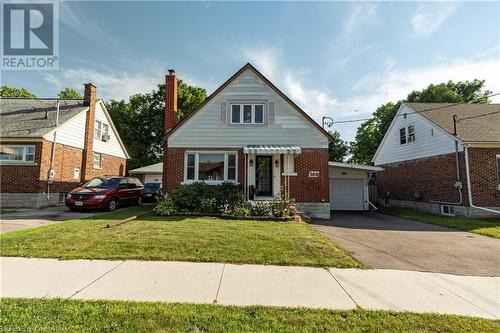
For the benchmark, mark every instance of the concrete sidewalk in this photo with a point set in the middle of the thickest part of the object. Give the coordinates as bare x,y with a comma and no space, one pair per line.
251,284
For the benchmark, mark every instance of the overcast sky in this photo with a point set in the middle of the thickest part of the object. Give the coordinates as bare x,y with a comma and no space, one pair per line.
337,59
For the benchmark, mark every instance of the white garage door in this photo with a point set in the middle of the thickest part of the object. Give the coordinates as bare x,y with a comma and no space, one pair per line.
346,194
152,178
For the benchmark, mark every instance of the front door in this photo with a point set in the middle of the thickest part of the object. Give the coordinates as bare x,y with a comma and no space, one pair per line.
263,175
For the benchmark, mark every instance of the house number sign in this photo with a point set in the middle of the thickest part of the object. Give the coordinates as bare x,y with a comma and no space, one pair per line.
313,174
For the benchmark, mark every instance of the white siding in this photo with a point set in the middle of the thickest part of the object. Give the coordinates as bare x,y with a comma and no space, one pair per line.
155,178
72,132
111,147
205,128
425,143
276,175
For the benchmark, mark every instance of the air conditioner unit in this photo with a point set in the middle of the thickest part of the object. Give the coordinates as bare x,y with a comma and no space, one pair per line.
105,137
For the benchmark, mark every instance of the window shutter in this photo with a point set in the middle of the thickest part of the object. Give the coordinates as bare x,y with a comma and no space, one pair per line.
271,113
223,113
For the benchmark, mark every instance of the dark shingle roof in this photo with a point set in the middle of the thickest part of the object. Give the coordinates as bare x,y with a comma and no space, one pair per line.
482,126
34,117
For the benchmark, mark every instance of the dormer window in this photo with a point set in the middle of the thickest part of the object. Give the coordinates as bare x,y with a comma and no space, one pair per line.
247,113
407,134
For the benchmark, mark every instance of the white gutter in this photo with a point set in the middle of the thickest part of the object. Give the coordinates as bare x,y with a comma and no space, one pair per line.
469,189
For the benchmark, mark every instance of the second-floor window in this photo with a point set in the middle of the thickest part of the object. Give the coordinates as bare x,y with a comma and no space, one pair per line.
407,134
101,130
251,113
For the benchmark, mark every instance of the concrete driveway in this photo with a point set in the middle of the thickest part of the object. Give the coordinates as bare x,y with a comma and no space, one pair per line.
24,218
382,241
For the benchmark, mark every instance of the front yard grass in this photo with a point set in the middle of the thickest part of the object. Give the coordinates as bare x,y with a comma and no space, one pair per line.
205,239
59,315
477,226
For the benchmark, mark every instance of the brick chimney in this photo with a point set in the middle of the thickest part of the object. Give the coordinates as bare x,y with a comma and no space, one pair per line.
89,99
170,117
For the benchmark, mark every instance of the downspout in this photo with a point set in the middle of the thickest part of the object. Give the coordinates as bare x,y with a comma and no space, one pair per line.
458,184
245,181
469,189
53,152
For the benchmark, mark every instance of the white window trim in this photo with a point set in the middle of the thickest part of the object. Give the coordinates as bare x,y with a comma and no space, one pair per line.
498,171
100,161
449,208
252,104
100,126
196,167
405,127
23,161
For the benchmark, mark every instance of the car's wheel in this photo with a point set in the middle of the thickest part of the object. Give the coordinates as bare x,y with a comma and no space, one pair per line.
139,200
112,204
73,209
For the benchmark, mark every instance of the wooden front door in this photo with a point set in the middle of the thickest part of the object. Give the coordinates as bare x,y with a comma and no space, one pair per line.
264,175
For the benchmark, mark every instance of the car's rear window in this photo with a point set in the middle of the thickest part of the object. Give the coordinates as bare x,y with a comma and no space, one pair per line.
107,183
152,186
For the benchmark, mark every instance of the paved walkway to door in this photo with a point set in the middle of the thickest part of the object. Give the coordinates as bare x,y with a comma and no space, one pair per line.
383,241
229,284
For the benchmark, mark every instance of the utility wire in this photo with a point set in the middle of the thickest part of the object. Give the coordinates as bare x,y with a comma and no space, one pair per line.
427,110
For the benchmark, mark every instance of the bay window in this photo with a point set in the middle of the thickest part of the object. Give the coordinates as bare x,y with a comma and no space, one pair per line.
247,113
17,153
210,167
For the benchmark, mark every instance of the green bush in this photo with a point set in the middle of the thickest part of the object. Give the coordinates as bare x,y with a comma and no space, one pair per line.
164,208
199,197
281,206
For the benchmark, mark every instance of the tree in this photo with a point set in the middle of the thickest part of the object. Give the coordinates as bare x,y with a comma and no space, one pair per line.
370,133
140,120
337,149
69,93
13,92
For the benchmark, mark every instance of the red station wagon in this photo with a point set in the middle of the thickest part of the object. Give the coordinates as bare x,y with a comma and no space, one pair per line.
107,192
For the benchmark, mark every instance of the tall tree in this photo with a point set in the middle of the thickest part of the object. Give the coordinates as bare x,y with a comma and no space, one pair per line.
140,120
70,93
337,149
371,132
13,92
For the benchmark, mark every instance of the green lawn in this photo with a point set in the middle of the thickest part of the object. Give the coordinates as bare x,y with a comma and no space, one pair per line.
178,238
477,226
58,315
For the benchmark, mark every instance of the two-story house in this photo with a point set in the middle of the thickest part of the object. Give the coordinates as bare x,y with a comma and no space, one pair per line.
442,158
248,132
49,146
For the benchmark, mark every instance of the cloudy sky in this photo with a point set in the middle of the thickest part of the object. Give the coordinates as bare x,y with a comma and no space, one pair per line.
337,59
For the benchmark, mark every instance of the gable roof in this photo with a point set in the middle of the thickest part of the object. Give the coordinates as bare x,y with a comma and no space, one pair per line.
152,168
269,83
476,122
34,117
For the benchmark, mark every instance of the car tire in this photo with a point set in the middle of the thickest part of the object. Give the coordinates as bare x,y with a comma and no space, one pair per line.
73,209
139,201
112,204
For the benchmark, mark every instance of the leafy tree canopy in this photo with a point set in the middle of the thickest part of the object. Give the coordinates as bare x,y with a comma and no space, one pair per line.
70,93
140,120
370,133
337,149
6,91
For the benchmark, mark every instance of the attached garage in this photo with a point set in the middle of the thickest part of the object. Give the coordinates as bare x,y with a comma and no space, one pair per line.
349,186
150,173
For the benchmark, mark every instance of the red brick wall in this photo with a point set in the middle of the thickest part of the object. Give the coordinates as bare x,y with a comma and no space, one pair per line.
302,188
88,154
21,178
435,177
306,189
483,172
33,179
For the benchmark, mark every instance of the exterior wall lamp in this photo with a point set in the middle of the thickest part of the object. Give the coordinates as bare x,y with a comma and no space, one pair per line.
251,162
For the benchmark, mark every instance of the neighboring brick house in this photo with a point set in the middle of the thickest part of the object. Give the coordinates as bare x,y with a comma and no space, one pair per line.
35,172
248,132
442,158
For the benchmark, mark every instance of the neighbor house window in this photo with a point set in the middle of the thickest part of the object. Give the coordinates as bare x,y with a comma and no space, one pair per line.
447,210
97,160
407,134
98,130
247,113
211,167
17,153
498,171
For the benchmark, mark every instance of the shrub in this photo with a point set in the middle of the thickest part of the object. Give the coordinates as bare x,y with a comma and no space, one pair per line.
241,210
260,208
204,198
164,208
281,206
208,205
